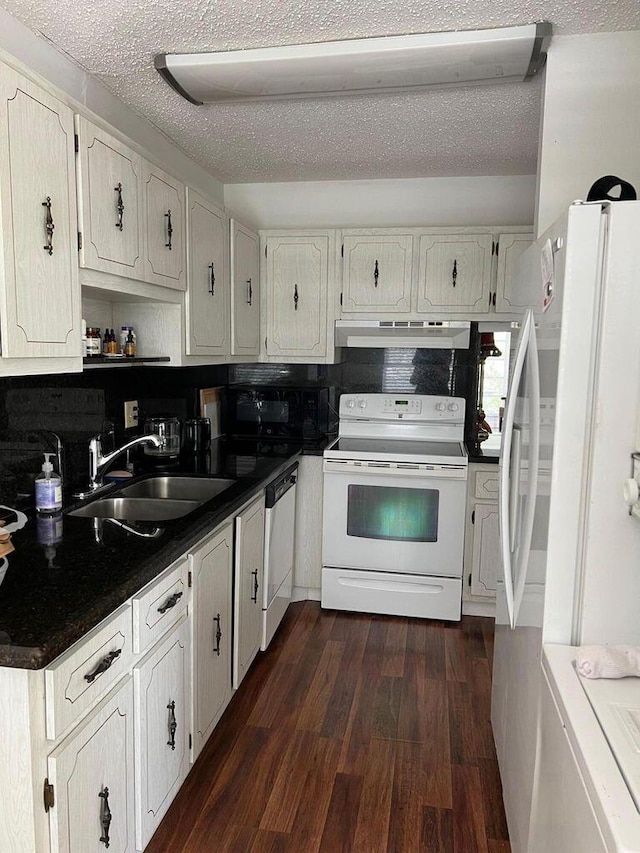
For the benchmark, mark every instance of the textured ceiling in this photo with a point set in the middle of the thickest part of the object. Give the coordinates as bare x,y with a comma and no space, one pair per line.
484,130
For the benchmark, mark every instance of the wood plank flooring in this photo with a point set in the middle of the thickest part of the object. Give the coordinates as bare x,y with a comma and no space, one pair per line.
354,733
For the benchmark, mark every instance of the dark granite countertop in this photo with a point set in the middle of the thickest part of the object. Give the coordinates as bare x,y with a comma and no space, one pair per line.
477,453
63,580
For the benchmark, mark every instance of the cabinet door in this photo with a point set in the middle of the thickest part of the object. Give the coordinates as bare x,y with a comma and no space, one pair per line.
510,247
41,293
162,715
92,775
164,217
212,568
454,273
486,557
245,297
247,611
377,272
207,282
296,285
110,203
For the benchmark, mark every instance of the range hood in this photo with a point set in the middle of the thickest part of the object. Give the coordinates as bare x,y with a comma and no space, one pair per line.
414,334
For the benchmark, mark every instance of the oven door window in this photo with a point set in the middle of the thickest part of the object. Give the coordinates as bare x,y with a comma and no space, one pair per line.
392,513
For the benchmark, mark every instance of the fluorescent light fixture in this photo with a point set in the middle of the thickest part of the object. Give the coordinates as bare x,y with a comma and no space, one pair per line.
359,66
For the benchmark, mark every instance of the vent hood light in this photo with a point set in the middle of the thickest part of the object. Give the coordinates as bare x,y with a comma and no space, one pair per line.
413,334
359,66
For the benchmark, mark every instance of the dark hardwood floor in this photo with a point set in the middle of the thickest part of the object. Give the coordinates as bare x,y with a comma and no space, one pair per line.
351,733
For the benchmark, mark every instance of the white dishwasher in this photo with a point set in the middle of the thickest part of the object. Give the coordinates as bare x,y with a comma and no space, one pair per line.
279,531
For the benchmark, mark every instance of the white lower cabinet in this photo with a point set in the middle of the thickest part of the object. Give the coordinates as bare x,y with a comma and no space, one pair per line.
482,557
211,573
162,719
95,747
247,599
93,782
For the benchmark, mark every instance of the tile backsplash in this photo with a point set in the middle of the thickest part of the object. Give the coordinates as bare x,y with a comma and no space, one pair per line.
74,407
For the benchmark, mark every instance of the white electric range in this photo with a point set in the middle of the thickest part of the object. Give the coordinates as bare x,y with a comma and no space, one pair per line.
394,506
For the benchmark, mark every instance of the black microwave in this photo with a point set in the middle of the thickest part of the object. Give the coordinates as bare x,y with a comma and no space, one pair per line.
269,411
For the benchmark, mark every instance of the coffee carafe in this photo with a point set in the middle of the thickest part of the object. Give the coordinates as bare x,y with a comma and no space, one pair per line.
170,431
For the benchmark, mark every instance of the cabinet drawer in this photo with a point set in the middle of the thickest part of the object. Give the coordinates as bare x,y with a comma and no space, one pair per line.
160,605
83,674
486,486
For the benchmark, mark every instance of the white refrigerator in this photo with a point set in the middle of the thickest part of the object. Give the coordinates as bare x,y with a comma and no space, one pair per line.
570,549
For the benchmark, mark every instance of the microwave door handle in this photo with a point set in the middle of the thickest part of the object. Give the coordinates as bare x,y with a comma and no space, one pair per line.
505,486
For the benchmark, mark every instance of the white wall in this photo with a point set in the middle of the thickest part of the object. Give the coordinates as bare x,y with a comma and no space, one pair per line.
40,56
402,202
591,118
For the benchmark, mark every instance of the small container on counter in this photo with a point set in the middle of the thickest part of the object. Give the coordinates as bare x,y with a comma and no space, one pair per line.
130,346
48,487
125,332
94,342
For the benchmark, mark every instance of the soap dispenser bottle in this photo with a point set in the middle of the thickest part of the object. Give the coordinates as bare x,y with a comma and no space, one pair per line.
48,488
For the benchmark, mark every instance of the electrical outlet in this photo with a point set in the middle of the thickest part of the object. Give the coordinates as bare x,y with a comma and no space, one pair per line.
130,414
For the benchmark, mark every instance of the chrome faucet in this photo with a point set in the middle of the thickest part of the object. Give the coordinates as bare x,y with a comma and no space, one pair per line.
98,462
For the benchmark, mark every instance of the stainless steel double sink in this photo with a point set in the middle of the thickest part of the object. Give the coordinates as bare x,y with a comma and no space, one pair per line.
155,499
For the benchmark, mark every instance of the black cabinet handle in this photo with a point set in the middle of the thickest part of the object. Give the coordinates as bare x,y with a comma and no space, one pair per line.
105,816
48,226
169,229
254,597
170,602
212,279
376,273
103,666
119,206
295,297
249,292
218,635
454,272
173,725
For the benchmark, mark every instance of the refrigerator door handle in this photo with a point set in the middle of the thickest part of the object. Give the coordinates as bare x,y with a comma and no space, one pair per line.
534,459
514,486
505,498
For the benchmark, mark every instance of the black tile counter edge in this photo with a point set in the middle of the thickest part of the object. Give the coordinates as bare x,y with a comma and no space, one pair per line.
201,525
476,454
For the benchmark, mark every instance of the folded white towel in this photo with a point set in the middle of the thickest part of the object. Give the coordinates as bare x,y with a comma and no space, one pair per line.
608,661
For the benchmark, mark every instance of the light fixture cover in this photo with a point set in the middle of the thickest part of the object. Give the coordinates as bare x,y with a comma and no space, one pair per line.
357,66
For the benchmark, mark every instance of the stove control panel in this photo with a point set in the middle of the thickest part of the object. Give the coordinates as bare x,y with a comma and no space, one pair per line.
402,405
391,407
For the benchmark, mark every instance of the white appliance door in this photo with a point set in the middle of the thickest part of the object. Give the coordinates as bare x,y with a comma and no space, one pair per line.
279,532
519,466
405,522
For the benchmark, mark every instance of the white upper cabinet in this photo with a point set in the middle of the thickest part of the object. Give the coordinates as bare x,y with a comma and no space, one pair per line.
208,315
164,216
110,203
454,274
377,272
245,290
511,246
296,284
40,313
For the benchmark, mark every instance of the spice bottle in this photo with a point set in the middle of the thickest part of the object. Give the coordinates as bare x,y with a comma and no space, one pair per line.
112,349
130,345
94,342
